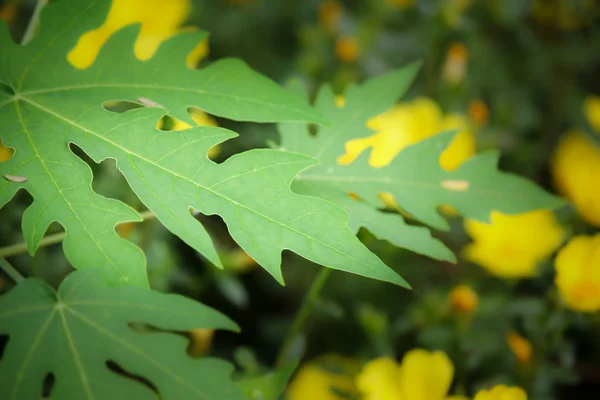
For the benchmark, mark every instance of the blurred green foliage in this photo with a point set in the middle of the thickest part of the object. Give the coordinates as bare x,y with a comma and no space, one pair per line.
531,63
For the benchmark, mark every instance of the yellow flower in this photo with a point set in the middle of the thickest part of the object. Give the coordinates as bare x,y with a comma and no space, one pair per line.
463,299
314,382
520,346
159,20
407,124
380,380
200,341
455,66
422,375
576,172
330,14
479,112
346,48
501,392
591,108
578,273
5,152
512,245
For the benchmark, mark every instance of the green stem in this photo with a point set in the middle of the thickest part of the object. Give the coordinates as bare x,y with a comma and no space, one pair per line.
10,270
33,22
308,304
19,248
49,240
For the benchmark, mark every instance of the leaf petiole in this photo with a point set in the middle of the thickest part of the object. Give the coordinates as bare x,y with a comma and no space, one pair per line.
33,23
308,304
10,270
14,249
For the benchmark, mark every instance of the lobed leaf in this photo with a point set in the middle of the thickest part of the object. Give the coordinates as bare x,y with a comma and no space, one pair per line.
53,105
414,177
76,332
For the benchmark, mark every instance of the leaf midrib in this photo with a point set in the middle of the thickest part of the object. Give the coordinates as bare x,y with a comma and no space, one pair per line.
76,358
115,338
75,352
166,88
129,152
399,182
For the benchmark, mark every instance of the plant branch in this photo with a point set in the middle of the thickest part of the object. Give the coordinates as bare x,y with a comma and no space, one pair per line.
10,270
308,304
33,22
49,240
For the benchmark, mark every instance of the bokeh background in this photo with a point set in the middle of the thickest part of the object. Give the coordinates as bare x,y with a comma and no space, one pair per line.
520,307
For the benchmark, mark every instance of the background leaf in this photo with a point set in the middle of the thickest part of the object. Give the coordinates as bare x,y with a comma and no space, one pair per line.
414,177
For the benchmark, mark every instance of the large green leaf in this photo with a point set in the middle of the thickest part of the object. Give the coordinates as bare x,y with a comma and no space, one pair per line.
74,333
414,177
53,104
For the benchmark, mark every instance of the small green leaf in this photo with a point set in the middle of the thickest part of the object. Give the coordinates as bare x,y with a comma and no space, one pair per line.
269,386
74,333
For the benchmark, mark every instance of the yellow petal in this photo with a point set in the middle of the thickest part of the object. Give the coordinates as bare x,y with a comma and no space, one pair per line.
5,152
463,145
201,118
512,245
425,375
353,149
501,392
317,383
159,20
578,273
407,124
380,380
199,52
592,111
576,173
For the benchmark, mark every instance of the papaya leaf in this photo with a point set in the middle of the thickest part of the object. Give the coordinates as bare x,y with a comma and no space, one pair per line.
51,104
414,177
77,332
